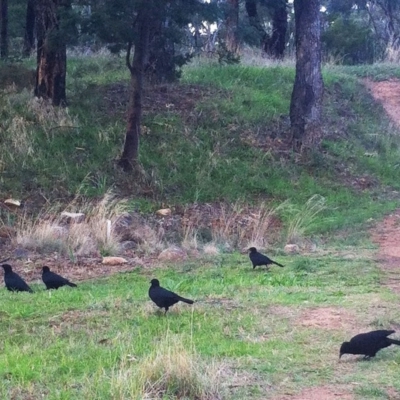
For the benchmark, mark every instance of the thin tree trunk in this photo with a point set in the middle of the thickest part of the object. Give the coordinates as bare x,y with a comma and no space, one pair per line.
29,39
4,28
275,45
129,157
306,101
232,22
254,19
51,53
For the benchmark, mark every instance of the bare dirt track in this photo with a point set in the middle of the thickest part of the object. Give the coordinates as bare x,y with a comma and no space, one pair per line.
386,233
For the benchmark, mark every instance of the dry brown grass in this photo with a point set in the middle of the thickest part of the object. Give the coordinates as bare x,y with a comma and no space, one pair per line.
171,371
303,217
49,231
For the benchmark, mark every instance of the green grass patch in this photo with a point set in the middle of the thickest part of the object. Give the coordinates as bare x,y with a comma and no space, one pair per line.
217,148
247,326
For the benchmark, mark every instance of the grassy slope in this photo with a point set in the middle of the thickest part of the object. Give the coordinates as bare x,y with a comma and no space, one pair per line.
71,344
249,322
208,155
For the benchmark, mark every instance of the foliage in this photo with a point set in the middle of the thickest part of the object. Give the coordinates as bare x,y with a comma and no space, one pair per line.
113,22
348,41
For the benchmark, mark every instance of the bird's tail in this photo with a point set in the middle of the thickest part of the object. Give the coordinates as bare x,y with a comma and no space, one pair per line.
186,300
72,284
394,341
279,265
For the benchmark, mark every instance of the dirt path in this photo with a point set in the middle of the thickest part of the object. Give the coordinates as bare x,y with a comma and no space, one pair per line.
388,94
387,232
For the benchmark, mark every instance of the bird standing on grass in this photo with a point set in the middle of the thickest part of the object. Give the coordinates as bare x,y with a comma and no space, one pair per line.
53,280
163,297
13,282
259,259
368,343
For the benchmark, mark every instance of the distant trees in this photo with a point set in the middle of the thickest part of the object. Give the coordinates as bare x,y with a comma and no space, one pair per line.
306,101
273,43
3,28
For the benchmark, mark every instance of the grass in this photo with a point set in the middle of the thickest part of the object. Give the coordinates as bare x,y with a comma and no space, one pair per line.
219,137
247,333
219,141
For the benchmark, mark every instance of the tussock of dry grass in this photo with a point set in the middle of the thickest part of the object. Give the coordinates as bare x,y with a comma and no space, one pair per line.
169,370
303,217
96,233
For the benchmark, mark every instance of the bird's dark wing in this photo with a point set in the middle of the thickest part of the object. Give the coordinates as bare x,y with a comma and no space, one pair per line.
14,282
53,278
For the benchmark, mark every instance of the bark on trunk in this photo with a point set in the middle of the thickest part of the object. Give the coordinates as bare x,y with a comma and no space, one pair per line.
232,22
254,19
275,45
4,28
129,158
29,39
306,101
51,53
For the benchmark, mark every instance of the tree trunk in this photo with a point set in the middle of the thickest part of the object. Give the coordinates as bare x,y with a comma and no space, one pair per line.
232,22
254,19
306,101
29,39
51,52
129,158
275,45
4,28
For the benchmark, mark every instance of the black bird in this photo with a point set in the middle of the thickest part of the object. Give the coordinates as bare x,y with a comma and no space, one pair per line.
13,281
53,280
368,343
259,259
163,297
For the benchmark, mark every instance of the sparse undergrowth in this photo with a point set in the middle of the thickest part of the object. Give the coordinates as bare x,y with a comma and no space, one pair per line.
219,135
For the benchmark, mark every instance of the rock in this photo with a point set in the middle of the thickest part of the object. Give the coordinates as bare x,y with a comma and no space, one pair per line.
164,212
21,253
114,260
129,245
173,253
73,217
291,249
12,202
7,232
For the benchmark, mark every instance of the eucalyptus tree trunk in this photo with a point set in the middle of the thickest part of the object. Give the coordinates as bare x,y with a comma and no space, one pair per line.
29,37
4,28
129,157
51,52
276,43
306,101
232,22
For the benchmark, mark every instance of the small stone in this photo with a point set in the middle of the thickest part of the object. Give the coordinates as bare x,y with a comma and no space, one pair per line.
173,253
291,249
21,253
128,245
73,217
114,260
